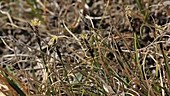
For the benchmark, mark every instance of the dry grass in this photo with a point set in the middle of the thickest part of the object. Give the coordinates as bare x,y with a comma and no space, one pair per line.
78,48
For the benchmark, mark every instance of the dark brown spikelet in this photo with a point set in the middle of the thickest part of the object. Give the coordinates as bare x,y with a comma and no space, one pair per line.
58,52
38,40
91,50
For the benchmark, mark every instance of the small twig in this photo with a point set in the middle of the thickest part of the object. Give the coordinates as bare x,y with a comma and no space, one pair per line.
14,55
96,18
41,4
73,36
9,17
88,17
6,44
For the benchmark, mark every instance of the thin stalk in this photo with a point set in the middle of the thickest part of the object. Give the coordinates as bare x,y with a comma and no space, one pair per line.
136,55
165,60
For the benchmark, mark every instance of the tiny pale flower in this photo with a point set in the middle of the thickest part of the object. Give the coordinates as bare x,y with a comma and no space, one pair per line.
53,40
35,22
83,36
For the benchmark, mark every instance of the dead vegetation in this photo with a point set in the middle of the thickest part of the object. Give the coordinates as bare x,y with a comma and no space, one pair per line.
84,47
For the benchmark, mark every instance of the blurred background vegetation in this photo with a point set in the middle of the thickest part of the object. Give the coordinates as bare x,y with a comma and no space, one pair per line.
84,48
